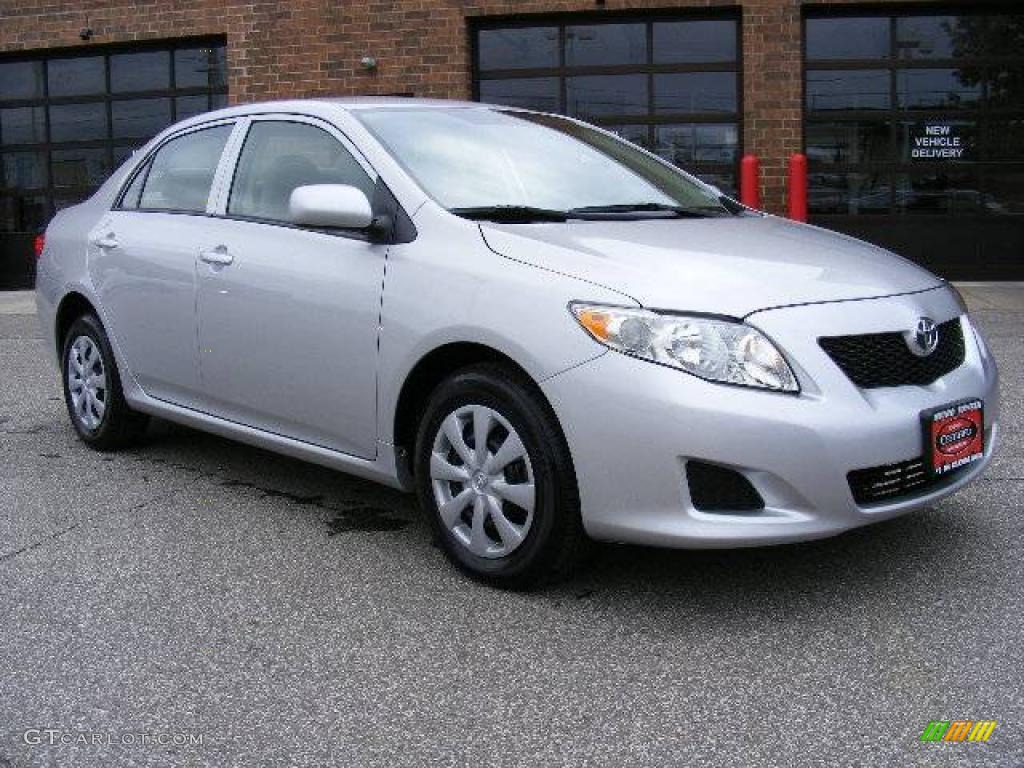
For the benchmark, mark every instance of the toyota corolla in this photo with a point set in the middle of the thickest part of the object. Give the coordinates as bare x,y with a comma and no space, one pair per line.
546,332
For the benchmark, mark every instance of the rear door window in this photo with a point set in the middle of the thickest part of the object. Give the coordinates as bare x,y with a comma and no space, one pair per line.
181,172
279,156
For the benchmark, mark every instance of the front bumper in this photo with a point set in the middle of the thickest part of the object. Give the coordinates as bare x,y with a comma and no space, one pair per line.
632,425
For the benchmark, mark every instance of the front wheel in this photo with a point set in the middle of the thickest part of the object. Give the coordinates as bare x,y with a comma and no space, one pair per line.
494,475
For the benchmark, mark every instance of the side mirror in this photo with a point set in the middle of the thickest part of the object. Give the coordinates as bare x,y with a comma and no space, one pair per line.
330,205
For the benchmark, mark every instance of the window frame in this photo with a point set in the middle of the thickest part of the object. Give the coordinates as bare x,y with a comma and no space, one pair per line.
231,175
984,115
225,179
146,163
227,168
109,143
650,119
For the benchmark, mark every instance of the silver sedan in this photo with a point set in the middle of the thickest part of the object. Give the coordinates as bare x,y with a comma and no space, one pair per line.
549,334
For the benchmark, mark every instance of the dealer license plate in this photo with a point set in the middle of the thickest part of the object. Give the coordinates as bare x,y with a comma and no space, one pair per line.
954,435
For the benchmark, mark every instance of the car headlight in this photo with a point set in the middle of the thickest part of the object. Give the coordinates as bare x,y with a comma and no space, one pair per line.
713,349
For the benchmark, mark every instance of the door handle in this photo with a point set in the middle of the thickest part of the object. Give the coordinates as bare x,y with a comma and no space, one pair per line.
106,242
218,255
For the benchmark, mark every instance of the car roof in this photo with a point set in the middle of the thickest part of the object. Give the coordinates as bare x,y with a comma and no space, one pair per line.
368,102
348,103
322,107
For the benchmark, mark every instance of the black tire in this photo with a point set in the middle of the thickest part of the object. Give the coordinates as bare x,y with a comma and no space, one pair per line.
555,541
119,426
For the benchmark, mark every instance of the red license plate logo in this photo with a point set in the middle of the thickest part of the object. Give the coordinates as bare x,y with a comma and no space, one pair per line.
955,436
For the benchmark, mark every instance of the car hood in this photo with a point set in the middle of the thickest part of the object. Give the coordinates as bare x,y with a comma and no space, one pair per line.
732,265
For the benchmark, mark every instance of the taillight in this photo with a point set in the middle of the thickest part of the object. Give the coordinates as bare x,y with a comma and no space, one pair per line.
39,243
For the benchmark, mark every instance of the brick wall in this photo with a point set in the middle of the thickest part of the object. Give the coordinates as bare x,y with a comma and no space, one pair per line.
313,48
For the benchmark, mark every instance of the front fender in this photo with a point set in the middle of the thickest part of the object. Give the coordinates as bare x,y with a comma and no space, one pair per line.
448,287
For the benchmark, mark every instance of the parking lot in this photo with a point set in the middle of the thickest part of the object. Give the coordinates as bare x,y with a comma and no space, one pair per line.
293,616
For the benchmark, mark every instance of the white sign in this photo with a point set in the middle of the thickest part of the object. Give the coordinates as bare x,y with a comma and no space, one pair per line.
936,142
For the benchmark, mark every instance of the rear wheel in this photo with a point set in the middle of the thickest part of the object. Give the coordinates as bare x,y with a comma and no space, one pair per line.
496,480
92,389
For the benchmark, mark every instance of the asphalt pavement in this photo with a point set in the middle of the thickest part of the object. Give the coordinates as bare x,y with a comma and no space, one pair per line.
196,590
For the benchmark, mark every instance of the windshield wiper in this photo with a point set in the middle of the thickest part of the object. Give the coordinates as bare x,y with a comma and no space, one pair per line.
523,214
695,212
513,214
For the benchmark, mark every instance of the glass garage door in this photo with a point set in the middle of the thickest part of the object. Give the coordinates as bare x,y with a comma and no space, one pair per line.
669,84
68,119
914,131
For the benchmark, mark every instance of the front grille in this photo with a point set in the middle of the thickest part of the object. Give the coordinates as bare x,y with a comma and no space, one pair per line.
884,360
720,489
891,482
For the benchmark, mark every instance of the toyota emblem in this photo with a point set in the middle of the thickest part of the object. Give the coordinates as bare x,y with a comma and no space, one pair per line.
923,340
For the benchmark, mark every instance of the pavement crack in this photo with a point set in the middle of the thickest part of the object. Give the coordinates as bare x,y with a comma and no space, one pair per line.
364,518
311,500
38,543
354,518
53,536
158,461
32,429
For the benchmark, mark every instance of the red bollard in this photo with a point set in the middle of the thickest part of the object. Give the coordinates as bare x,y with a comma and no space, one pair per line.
798,187
750,181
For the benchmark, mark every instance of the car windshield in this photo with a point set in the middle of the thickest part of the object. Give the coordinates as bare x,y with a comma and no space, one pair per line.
487,161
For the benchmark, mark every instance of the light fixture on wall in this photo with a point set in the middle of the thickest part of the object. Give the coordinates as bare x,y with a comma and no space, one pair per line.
369,63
